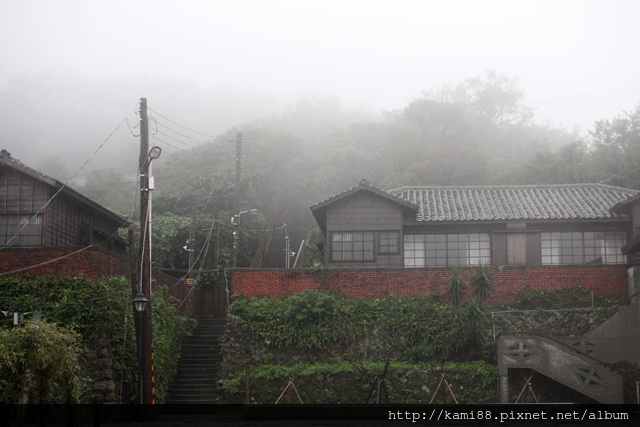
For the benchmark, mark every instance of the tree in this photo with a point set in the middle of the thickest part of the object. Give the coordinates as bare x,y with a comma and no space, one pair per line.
38,360
482,283
616,149
493,100
456,286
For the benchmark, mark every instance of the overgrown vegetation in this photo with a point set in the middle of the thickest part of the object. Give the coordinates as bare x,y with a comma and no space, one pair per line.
314,334
40,361
99,308
550,299
427,327
339,349
341,382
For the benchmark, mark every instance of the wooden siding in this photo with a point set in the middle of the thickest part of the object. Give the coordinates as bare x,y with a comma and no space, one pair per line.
67,221
365,212
20,193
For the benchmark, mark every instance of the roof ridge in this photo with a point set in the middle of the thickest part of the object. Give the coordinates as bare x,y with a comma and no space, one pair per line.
510,186
516,202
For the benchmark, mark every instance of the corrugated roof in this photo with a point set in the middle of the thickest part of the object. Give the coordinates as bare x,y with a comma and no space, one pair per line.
516,202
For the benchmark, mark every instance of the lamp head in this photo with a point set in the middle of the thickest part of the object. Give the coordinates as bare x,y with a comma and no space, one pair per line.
155,152
140,303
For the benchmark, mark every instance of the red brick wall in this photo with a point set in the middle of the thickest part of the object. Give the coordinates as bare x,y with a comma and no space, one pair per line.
93,263
376,283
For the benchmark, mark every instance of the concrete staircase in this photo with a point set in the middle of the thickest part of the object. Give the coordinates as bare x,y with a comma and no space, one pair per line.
560,362
199,363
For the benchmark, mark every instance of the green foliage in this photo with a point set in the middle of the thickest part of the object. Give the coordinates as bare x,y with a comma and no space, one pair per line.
341,382
168,328
482,283
309,306
456,286
572,297
38,360
419,327
96,308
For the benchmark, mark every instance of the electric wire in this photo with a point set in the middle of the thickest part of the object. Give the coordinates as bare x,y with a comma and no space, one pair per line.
177,140
170,145
62,187
130,166
206,241
132,127
23,269
181,134
178,124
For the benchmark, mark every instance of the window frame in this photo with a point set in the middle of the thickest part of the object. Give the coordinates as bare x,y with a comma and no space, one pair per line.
389,236
557,247
439,247
353,250
24,235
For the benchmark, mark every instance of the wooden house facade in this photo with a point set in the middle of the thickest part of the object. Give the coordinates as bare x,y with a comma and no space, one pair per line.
527,225
39,215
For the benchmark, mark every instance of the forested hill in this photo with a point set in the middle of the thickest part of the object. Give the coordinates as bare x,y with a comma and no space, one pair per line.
478,132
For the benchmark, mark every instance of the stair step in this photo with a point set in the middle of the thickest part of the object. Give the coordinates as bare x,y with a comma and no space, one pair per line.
201,355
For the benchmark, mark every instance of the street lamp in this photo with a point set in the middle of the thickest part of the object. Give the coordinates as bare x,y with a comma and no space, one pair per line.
146,339
139,304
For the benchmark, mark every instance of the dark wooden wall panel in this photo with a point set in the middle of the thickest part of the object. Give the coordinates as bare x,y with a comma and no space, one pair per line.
20,193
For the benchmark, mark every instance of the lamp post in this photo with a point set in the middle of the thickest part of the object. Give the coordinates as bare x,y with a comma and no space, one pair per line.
139,304
146,187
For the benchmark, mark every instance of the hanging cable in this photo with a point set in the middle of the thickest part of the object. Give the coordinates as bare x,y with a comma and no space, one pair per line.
62,187
177,124
20,270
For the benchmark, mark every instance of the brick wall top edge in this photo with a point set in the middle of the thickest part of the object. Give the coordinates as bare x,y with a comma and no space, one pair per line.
502,268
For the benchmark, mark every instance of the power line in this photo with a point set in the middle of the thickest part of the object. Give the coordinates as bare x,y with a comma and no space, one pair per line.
62,187
131,166
177,140
175,131
170,145
178,124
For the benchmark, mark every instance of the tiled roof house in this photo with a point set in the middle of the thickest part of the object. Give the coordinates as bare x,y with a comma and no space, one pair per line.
533,225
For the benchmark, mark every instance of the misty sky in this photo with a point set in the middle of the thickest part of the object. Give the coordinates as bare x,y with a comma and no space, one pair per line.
576,60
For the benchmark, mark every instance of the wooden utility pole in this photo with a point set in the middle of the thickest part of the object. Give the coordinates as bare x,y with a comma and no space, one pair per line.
192,250
191,246
236,202
144,267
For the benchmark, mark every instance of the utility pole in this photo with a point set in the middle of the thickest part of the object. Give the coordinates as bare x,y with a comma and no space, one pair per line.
287,248
145,258
236,202
192,250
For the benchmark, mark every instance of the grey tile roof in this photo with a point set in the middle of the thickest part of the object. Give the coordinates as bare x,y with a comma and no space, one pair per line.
517,202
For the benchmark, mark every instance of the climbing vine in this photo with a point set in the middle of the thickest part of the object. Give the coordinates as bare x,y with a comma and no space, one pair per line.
93,308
